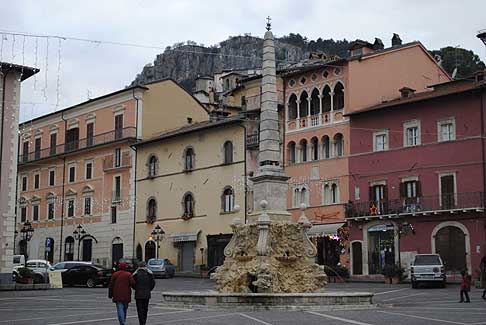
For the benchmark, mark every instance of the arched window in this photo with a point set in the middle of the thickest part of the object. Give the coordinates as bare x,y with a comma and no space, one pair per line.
338,97
69,249
338,145
292,105
326,147
189,159
315,148
314,102
227,200
334,193
291,152
152,166
326,99
303,105
327,194
188,205
228,152
151,210
303,150
296,197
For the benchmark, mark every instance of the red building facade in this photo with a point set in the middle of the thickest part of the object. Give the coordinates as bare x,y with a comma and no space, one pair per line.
417,179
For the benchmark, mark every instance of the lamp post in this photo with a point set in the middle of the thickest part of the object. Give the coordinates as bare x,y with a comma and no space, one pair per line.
402,229
157,235
26,233
79,233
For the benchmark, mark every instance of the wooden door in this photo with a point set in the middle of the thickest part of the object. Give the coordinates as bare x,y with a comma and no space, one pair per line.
357,258
87,249
450,243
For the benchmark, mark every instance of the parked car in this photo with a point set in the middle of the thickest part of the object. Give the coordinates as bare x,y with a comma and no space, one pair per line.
89,275
161,267
39,267
132,264
427,268
63,266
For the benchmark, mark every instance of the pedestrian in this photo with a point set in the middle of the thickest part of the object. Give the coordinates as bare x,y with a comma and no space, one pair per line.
120,290
144,283
465,286
482,267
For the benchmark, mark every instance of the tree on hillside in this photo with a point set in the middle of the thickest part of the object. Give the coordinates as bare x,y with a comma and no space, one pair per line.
467,61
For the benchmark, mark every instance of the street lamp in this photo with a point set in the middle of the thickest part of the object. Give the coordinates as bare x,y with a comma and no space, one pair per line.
79,233
402,229
157,235
27,231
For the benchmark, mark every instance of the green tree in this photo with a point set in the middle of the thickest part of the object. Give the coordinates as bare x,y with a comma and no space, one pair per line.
467,61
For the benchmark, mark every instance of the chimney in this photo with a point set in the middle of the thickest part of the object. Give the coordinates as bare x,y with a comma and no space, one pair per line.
406,92
480,76
378,44
396,40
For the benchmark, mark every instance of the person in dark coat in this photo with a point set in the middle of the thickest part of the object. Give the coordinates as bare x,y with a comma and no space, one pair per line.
144,283
120,290
465,286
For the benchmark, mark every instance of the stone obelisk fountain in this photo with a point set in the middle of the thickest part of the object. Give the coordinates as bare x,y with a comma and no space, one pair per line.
270,254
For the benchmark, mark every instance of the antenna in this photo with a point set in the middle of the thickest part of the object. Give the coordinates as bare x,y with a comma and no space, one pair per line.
482,35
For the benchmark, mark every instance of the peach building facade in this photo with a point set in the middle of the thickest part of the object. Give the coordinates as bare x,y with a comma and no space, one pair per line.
318,93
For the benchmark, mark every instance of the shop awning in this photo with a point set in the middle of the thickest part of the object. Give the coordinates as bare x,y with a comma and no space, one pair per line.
184,236
325,229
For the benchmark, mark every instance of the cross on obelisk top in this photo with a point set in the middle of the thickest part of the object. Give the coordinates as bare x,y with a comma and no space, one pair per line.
269,25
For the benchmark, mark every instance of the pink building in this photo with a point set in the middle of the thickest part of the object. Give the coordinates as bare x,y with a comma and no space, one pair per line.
75,170
418,178
319,93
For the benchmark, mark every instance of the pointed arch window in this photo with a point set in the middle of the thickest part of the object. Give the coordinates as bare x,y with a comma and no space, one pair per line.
304,105
326,99
338,145
326,147
292,106
338,97
151,210
291,152
152,166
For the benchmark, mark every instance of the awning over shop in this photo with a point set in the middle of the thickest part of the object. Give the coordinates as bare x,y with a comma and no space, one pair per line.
325,229
184,236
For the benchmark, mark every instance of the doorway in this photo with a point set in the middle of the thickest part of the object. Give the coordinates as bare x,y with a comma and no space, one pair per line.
69,249
447,192
187,256
149,250
357,250
116,252
450,243
381,247
87,250
216,246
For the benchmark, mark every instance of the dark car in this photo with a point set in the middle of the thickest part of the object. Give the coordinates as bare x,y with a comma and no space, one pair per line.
88,275
161,267
132,264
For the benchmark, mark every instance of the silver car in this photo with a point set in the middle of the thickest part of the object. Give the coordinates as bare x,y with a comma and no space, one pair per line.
40,269
161,267
427,268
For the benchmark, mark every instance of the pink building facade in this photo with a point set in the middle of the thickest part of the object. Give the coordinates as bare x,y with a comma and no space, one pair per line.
319,93
417,179
75,176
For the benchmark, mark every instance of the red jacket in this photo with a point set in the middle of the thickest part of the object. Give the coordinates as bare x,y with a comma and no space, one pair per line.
120,288
466,282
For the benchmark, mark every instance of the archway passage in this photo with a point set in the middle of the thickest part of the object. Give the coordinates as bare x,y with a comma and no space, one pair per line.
450,244
357,249
149,250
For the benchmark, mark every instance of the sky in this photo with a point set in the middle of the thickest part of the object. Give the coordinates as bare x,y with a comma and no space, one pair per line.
73,71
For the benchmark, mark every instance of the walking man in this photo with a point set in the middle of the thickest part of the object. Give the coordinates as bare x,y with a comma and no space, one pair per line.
120,291
144,283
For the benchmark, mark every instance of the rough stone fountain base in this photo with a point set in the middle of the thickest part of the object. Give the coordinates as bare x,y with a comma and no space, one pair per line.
267,301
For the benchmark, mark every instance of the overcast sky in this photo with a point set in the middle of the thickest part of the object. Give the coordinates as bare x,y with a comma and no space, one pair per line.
102,68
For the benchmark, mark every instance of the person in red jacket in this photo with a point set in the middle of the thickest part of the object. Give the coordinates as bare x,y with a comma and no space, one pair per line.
120,290
465,286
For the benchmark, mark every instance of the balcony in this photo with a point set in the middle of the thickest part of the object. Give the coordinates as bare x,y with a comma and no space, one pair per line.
110,163
252,141
69,147
311,121
425,205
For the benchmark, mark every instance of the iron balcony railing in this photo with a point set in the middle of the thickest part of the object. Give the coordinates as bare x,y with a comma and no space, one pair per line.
68,147
418,205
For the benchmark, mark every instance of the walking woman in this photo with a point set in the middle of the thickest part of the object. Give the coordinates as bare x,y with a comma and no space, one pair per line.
144,283
120,290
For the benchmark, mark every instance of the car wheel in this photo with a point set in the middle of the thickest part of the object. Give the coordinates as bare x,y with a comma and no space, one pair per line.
14,276
414,285
443,284
91,283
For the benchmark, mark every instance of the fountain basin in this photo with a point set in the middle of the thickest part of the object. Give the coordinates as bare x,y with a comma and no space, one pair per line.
266,301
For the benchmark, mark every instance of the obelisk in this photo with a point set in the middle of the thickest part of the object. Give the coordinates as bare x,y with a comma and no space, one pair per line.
269,181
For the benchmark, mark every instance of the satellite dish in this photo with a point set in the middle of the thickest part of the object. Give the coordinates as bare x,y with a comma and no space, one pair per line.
454,73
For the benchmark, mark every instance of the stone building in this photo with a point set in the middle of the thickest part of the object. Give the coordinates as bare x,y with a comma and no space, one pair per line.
11,76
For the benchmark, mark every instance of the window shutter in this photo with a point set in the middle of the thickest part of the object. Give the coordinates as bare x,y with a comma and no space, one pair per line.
419,188
385,193
403,189
371,194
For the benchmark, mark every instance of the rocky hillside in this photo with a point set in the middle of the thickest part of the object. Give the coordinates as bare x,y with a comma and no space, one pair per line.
185,61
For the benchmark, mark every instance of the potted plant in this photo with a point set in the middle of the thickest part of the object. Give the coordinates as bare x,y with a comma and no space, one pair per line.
393,273
26,276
